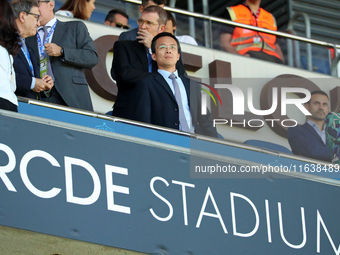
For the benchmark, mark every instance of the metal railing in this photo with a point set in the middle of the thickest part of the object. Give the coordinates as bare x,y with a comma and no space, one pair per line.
290,27
168,130
210,19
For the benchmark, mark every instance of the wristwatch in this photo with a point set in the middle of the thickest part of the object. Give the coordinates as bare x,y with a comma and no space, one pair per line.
62,52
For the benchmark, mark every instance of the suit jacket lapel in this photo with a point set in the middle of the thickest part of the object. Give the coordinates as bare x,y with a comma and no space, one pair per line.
186,83
139,48
312,131
24,60
159,78
58,32
32,42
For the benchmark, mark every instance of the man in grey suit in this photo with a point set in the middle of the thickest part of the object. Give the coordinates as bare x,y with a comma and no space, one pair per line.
64,50
135,33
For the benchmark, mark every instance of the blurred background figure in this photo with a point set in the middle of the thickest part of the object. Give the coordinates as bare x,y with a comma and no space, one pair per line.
133,33
171,28
117,18
80,9
332,124
28,80
9,47
247,42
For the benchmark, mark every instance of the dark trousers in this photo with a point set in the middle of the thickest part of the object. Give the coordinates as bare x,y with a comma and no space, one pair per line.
54,97
7,105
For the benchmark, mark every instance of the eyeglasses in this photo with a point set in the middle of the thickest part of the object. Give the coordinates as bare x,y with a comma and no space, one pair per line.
118,24
37,15
165,47
148,23
42,2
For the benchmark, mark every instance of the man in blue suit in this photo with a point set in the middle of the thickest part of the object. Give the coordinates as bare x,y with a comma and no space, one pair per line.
167,98
27,75
309,139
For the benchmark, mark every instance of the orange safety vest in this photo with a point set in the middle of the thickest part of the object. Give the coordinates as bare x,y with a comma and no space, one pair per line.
245,40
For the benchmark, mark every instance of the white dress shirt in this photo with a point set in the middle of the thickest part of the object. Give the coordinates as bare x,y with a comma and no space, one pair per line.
184,96
7,77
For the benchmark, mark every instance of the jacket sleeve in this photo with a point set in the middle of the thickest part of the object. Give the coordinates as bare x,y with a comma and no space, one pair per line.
123,67
304,144
22,77
142,103
84,55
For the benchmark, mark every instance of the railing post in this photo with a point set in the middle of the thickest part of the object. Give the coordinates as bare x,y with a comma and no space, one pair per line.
191,19
307,34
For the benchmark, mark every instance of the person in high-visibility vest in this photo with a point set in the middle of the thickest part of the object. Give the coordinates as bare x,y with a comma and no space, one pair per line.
248,42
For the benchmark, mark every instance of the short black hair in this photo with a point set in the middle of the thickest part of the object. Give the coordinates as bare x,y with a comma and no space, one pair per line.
112,14
318,92
171,17
153,43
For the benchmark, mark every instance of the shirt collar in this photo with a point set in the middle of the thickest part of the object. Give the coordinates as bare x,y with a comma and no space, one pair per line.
166,73
50,23
314,125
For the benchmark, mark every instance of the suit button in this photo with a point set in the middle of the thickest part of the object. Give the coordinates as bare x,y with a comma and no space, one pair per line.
176,124
176,109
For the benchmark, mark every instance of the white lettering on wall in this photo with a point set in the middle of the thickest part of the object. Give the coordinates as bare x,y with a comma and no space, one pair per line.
304,239
7,168
184,198
233,215
203,213
69,162
171,210
111,189
24,176
319,222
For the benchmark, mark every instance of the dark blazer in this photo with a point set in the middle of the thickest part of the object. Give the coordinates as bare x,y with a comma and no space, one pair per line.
306,142
79,54
23,74
152,101
130,64
129,35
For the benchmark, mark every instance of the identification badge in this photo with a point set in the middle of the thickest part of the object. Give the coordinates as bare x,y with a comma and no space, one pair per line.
43,67
256,40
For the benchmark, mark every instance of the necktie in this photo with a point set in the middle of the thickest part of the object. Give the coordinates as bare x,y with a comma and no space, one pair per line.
49,68
182,119
149,62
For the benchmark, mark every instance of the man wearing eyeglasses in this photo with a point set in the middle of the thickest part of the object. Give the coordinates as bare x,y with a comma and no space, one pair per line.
132,59
63,51
29,83
166,98
117,18
132,34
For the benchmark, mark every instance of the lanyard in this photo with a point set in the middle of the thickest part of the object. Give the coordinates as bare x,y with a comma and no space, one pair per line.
256,15
27,55
42,46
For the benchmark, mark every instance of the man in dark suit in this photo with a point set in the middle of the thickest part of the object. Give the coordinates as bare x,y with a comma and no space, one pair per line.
310,139
166,98
28,80
132,59
132,34
66,48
